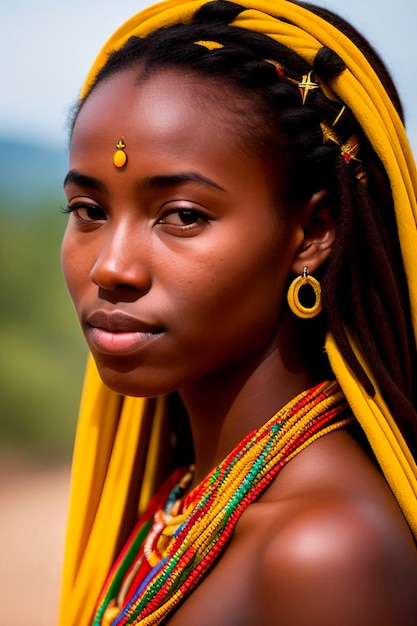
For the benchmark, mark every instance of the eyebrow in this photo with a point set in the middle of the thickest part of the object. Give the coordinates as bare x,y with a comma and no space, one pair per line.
83,180
168,180
151,182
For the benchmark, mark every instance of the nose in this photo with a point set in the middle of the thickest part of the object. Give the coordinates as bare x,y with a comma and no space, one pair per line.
122,260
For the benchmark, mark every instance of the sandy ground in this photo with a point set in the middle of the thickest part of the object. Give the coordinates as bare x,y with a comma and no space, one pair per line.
33,508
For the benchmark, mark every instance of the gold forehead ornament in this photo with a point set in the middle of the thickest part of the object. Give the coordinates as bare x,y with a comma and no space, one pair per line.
120,156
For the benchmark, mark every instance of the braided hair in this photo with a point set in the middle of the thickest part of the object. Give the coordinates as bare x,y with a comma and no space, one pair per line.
363,283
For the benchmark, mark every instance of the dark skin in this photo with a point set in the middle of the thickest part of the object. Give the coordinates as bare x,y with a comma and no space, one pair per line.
319,547
188,242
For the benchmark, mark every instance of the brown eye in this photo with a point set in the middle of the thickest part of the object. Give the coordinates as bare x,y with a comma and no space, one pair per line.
185,217
86,212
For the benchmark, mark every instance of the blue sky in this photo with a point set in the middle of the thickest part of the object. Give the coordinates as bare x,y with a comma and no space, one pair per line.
47,46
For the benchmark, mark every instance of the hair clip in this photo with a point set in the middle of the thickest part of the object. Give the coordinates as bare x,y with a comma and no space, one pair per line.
306,85
279,68
120,156
349,149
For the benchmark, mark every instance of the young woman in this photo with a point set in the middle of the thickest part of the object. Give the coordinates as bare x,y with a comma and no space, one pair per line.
241,255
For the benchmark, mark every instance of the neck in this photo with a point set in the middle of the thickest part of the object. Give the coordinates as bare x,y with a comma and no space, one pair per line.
226,407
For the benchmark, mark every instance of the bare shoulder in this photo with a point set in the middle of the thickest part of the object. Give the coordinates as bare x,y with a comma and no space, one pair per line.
341,556
334,564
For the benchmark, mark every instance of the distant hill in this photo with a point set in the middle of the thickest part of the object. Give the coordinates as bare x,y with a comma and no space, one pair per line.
28,171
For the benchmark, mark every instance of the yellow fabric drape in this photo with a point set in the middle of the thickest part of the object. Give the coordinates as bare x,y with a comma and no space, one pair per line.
116,451
114,464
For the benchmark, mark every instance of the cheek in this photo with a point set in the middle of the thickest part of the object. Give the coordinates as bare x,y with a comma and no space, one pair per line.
73,265
238,296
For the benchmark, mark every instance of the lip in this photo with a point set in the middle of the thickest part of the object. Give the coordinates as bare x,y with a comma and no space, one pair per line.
119,334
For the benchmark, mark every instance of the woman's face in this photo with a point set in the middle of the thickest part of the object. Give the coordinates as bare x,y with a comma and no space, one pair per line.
177,262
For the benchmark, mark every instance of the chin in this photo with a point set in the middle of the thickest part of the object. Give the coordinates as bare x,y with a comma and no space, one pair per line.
133,383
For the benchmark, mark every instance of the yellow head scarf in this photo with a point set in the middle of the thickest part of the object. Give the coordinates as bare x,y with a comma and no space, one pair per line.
120,443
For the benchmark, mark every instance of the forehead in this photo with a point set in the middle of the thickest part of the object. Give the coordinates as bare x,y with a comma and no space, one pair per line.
170,122
165,101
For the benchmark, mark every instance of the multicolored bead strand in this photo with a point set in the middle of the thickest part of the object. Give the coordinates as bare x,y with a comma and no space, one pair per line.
173,553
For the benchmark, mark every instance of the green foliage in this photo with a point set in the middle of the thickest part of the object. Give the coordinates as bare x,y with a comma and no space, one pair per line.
43,354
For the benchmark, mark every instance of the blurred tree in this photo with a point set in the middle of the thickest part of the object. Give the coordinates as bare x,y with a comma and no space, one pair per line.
42,350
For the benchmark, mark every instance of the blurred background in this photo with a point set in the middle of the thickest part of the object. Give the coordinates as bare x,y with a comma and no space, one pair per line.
46,48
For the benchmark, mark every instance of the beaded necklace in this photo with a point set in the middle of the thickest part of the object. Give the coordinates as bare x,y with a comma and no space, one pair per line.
181,536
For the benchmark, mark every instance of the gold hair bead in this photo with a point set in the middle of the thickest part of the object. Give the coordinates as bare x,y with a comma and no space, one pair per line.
210,45
120,156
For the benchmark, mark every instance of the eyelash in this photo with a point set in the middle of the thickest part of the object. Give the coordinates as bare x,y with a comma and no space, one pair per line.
183,214
75,208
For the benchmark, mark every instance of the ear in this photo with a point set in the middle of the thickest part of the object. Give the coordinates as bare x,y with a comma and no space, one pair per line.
318,233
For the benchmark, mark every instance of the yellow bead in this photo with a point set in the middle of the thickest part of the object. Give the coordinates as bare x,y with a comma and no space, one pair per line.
109,615
119,158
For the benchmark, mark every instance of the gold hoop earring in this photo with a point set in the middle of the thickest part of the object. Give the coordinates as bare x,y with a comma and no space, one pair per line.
293,296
